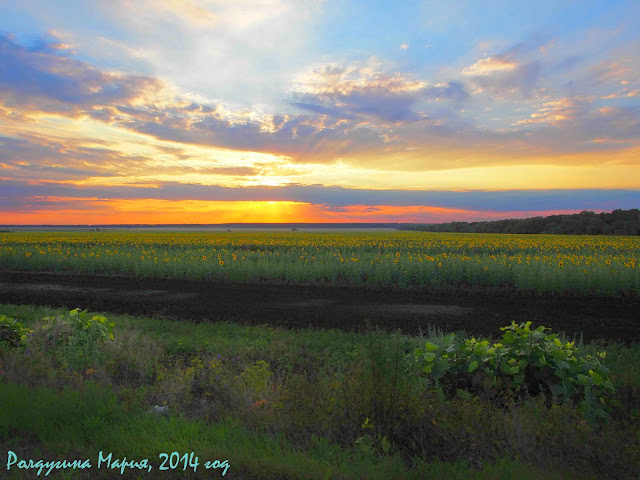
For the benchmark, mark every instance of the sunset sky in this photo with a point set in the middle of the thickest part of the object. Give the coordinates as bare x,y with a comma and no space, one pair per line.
198,111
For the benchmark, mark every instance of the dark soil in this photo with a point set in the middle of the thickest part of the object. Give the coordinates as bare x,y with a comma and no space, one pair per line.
323,307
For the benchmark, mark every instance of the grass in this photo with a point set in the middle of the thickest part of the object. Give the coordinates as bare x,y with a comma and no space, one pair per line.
72,424
280,403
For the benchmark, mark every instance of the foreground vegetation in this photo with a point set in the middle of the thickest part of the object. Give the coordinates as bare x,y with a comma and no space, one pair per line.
276,403
487,263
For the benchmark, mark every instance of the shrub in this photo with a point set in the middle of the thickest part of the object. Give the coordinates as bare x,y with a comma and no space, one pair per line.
133,359
12,331
524,363
76,338
257,377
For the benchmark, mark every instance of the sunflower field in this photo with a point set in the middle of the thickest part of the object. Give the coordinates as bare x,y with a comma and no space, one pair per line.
438,262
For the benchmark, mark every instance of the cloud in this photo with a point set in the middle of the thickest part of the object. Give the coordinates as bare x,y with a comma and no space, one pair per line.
240,14
454,91
367,90
77,211
186,10
356,114
54,160
520,79
347,92
41,79
486,66
544,49
575,126
513,71
621,123
609,71
51,43
338,197
242,51
34,82
555,111
333,78
404,46
72,161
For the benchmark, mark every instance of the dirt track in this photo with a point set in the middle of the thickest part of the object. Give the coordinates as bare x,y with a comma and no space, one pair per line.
326,307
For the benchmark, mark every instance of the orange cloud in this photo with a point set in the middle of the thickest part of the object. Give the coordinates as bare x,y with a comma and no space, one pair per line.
486,66
82,211
334,78
553,112
94,211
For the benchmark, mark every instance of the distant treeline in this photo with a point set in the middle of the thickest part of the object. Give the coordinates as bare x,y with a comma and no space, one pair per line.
618,222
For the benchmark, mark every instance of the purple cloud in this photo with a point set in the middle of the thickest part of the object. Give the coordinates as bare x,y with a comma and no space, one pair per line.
41,78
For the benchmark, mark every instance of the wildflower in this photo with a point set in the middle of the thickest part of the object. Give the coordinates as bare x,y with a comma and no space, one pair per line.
259,403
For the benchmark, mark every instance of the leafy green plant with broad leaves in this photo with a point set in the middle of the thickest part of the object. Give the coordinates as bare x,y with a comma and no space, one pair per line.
524,363
370,445
77,337
13,332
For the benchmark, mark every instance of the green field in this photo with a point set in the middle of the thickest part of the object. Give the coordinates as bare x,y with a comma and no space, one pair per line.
298,404
532,264
317,403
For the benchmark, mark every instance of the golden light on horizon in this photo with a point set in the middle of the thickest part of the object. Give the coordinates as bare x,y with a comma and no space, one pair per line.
95,211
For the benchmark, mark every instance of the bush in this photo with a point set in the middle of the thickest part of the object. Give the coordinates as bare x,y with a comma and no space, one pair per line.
525,363
12,332
76,338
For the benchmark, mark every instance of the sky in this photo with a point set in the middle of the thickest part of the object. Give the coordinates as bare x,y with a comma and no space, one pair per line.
210,111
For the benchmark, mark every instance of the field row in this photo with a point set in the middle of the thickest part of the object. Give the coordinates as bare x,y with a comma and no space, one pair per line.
530,263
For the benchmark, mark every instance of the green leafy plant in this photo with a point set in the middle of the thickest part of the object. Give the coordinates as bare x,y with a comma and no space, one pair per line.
12,331
257,377
77,337
370,444
524,363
